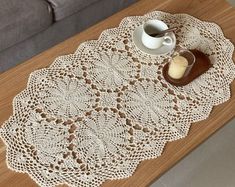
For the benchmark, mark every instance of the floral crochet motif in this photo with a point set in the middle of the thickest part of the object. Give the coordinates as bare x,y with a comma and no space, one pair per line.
68,97
112,70
102,135
145,102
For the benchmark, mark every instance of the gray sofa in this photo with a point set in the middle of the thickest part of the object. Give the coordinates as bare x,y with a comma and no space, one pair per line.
27,27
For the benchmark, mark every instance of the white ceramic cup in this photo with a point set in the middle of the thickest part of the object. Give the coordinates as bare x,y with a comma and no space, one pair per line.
154,26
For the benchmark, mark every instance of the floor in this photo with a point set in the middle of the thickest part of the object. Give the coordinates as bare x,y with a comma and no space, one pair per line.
212,164
232,2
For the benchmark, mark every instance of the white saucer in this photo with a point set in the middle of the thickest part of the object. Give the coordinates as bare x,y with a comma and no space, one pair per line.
159,51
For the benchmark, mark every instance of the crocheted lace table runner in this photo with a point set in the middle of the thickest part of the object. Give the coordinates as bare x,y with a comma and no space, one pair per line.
95,114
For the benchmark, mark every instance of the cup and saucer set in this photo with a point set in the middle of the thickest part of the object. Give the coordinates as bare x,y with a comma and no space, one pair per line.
145,41
184,65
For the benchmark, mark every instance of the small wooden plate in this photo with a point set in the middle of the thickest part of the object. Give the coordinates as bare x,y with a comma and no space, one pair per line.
202,64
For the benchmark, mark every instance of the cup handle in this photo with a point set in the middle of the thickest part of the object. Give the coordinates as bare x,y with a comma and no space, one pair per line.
167,40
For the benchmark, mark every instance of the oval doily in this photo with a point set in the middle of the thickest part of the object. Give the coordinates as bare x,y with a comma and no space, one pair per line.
95,114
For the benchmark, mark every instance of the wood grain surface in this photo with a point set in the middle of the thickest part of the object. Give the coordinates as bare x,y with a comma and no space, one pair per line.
14,80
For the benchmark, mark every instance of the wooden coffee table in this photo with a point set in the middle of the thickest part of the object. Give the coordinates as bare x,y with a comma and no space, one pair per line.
14,80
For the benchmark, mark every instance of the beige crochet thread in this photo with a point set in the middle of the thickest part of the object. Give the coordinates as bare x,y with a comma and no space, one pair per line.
96,114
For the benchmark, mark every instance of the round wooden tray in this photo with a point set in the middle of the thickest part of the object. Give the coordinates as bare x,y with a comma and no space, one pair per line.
202,64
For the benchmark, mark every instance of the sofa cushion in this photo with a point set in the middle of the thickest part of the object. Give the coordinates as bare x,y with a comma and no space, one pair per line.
64,8
21,19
